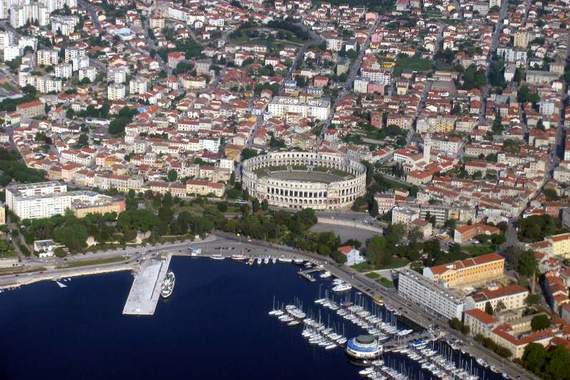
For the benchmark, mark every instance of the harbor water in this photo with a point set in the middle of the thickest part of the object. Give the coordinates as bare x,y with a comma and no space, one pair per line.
215,325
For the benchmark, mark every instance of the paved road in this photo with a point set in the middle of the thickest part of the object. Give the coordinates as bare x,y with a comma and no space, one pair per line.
92,11
354,68
494,45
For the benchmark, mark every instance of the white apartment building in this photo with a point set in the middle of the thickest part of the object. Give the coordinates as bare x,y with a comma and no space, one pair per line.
23,13
334,44
71,53
63,24
89,73
45,84
117,74
6,39
138,85
47,57
116,91
446,144
63,70
378,76
404,215
80,62
25,41
311,108
10,53
360,85
38,200
212,145
421,290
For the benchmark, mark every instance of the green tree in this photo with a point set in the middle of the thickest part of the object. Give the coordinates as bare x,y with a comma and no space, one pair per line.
532,299
536,227
83,140
535,357
489,308
473,78
172,175
540,322
377,252
248,153
557,367
527,265
524,95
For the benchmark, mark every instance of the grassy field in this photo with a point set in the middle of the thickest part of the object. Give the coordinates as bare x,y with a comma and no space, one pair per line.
84,263
379,279
411,64
477,249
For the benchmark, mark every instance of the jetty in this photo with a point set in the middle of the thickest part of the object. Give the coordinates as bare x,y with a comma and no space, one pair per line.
145,291
307,274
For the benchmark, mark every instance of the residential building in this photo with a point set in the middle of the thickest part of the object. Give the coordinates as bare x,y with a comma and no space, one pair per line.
352,255
500,298
312,108
467,232
422,290
469,271
560,244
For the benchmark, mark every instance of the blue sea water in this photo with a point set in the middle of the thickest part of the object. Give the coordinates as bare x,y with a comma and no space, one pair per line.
214,326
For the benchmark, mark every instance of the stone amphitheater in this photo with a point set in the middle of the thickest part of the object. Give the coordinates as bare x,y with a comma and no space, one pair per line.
297,180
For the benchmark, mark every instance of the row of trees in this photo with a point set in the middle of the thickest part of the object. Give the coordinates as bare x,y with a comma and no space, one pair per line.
490,344
292,229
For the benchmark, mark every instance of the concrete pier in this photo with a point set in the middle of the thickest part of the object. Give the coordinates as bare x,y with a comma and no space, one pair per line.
146,287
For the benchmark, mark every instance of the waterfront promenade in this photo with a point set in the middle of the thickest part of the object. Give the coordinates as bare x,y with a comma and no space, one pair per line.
228,245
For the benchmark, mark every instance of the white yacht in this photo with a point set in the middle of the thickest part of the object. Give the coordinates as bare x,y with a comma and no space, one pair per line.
168,285
342,287
326,274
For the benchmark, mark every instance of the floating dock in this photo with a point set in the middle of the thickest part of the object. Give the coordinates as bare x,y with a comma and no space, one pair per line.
146,287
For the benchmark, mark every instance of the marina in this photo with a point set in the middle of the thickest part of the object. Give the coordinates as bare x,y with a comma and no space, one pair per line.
384,345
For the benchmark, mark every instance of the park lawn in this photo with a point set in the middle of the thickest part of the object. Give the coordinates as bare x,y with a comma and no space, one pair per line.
363,267
396,262
410,64
384,281
373,275
84,263
478,249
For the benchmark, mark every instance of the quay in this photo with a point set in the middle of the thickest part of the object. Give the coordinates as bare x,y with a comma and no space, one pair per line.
397,343
28,278
145,291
